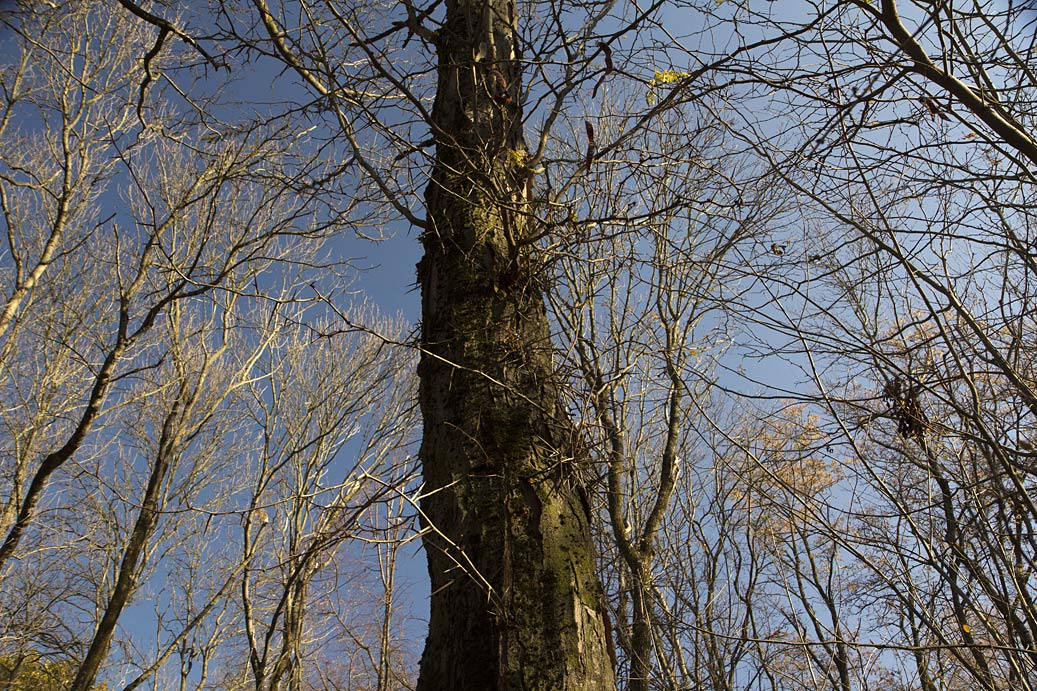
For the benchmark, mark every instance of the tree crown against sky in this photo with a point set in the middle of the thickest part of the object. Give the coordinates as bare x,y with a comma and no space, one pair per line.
740,291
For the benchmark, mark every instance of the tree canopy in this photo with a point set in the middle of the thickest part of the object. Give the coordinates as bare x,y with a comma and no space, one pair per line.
723,376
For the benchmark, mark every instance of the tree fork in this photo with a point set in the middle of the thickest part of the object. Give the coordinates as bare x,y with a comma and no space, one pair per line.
515,600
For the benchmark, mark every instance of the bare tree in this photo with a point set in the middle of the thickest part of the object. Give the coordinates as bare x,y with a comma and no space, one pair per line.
898,301
334,422
159,263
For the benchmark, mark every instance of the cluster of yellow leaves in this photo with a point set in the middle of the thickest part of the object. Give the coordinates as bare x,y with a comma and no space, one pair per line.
663,78
668,77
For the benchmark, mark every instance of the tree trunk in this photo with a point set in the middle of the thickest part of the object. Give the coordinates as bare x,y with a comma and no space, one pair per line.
640,652
515,600
136,548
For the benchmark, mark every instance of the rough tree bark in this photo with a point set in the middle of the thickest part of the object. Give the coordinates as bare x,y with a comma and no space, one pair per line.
515,600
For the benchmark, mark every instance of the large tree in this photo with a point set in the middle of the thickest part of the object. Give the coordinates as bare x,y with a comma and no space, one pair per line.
516,602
